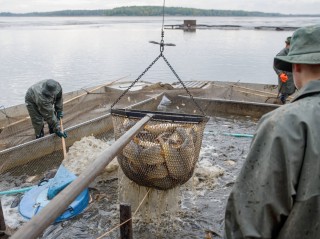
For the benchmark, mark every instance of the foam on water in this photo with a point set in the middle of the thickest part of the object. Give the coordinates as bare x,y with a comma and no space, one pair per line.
82,153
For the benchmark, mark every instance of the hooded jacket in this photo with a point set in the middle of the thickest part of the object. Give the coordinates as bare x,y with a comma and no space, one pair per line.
45,104
277,193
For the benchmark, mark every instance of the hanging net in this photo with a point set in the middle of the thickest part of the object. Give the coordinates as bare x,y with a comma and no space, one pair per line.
164,154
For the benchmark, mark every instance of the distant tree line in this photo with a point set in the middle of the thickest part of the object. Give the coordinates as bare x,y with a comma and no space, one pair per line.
148,11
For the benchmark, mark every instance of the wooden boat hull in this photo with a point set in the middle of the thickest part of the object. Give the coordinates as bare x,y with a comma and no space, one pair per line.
214,97
214,107
247,92
243,99
79,106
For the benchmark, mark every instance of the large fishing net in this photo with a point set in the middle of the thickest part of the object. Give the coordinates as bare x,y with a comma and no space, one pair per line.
164,154
85,116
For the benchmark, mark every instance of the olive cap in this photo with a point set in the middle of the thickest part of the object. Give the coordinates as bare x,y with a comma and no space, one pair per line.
49,87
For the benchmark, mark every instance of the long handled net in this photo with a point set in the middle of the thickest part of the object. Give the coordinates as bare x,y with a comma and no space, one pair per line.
164,154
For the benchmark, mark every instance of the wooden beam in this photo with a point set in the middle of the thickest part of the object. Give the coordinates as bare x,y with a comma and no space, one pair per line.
126,228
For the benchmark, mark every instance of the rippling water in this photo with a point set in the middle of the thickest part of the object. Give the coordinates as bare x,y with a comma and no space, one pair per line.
88,51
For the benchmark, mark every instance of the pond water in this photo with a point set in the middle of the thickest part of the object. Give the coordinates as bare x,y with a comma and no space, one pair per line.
88,51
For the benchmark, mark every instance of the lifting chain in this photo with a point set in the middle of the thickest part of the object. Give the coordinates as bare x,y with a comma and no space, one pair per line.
173,71
162,44
133,83
184,86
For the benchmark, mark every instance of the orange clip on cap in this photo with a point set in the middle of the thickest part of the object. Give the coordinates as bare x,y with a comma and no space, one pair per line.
283,77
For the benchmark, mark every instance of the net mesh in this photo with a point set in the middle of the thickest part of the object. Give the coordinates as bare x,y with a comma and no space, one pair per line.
163,155
25,161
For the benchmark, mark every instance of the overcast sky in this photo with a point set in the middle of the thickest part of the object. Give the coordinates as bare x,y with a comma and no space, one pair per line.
277,6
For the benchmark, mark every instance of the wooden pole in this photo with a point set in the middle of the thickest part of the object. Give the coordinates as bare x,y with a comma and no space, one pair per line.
63,141
125,215
2,222
59,204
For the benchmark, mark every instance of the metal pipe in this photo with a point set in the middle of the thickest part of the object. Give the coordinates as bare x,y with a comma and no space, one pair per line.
19,190
58,205
239,135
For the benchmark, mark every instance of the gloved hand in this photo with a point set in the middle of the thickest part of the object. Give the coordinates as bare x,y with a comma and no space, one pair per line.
283,77
62,134
59,115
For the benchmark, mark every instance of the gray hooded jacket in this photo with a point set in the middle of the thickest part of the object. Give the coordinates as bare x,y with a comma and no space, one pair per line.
43,106
277,194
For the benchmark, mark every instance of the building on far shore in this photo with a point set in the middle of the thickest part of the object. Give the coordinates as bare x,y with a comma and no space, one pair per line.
189,25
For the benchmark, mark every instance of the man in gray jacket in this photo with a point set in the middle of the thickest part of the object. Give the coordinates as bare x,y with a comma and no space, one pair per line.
285,78
44,103
277,193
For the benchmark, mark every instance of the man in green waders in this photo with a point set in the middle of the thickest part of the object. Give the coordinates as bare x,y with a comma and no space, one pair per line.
277,193
44,103
285,78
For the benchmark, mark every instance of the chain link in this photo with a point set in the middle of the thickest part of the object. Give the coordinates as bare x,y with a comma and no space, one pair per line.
189,93
162,43
136,80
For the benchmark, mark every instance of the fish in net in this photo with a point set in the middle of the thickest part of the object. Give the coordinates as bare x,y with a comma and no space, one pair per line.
164,153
